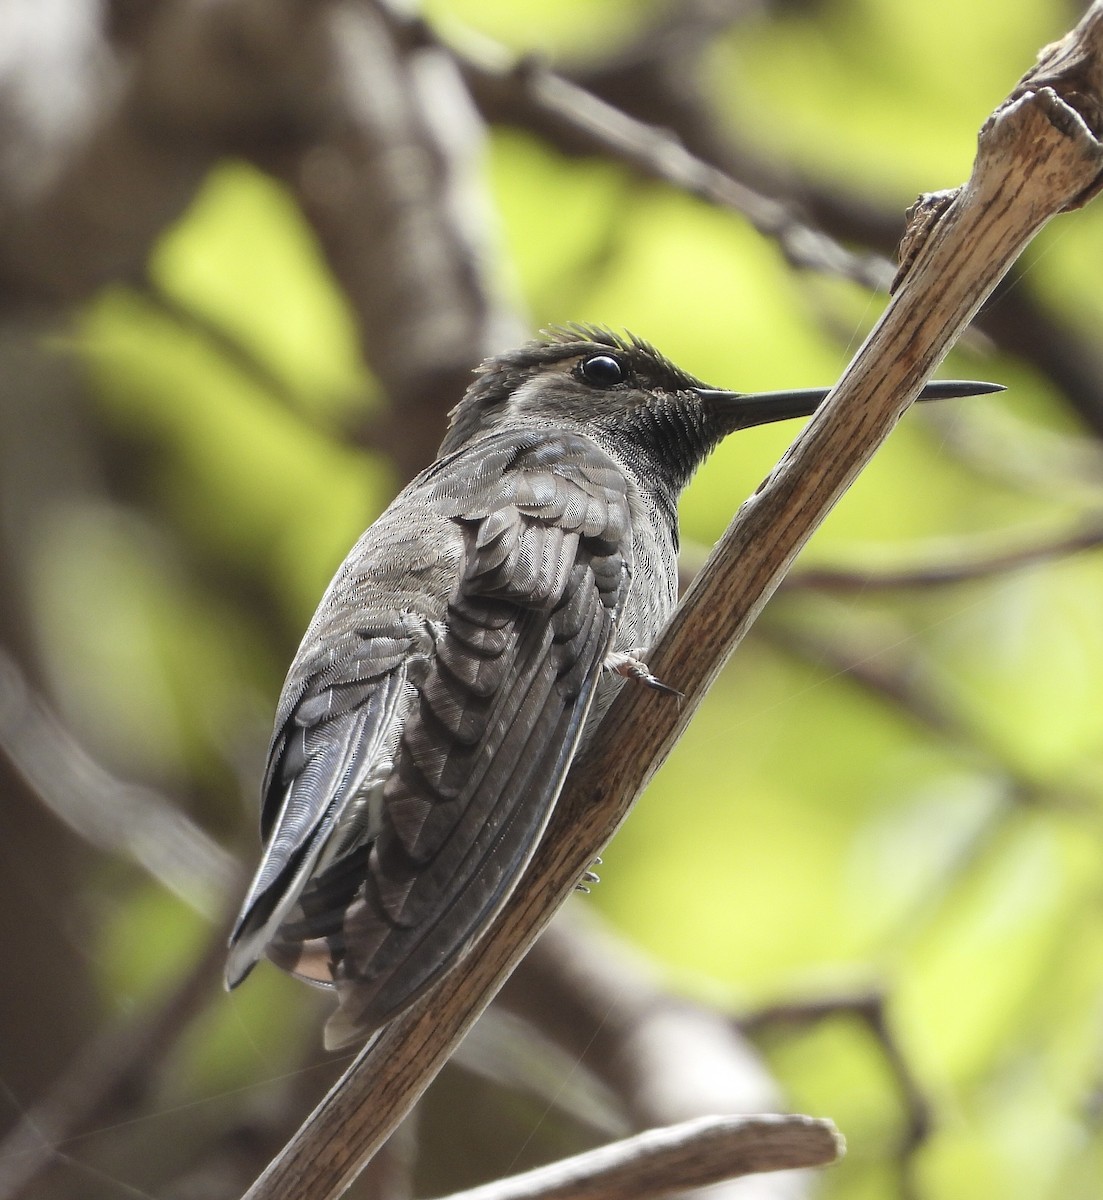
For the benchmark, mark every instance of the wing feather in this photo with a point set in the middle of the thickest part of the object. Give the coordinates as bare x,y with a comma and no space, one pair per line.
333,742
419,753
485,750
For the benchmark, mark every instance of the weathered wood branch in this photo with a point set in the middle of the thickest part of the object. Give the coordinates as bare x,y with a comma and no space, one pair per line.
1038,155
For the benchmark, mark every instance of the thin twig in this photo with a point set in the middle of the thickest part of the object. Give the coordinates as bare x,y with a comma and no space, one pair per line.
529,94
661,1161
113,814
666,1058
962,565
871,1010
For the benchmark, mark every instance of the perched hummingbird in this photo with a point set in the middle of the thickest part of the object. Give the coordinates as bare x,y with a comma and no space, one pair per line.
467,647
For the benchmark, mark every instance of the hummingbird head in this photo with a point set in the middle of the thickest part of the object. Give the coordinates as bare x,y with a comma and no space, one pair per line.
601,383
625,394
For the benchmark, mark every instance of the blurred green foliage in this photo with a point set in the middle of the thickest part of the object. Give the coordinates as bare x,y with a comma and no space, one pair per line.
807,836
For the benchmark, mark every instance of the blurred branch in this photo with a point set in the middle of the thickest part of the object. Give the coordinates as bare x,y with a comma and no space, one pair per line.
1036,157
221,341
528,94
400,158
901,682
353,427
870,1010
87,180
996,444
654,1164
662,77
879,671
962,564
665,1058
903,686
243,1134
960,560
119,817
92,172
1021,323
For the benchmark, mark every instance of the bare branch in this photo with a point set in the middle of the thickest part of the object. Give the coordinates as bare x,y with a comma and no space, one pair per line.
665,1058
1036,157
966,562
871,1010
527,94
401,158
120,817
660,1161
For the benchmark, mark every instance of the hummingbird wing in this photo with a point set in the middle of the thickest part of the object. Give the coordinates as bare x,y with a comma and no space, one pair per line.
336,728
415,779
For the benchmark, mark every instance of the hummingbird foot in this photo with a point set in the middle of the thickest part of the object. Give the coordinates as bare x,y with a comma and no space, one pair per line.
629,664
588,878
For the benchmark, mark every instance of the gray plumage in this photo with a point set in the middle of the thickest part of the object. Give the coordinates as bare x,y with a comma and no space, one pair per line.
461,655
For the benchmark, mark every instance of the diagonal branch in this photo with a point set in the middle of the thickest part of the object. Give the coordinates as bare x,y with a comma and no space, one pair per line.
113,814
526,94
1036,157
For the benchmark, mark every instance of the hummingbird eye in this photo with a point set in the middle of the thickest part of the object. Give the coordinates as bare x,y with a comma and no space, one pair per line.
602,370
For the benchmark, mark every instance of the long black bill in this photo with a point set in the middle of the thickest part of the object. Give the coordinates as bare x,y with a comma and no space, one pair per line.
745,410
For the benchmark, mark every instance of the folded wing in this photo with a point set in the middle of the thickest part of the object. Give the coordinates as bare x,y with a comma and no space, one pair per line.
416,776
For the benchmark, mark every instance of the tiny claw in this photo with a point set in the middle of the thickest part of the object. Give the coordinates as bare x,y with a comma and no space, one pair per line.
588,877
631,666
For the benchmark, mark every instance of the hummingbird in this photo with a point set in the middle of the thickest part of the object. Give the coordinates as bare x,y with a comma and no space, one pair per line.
463,654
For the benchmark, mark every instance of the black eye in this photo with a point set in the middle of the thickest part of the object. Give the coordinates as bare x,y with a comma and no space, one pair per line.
602,370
